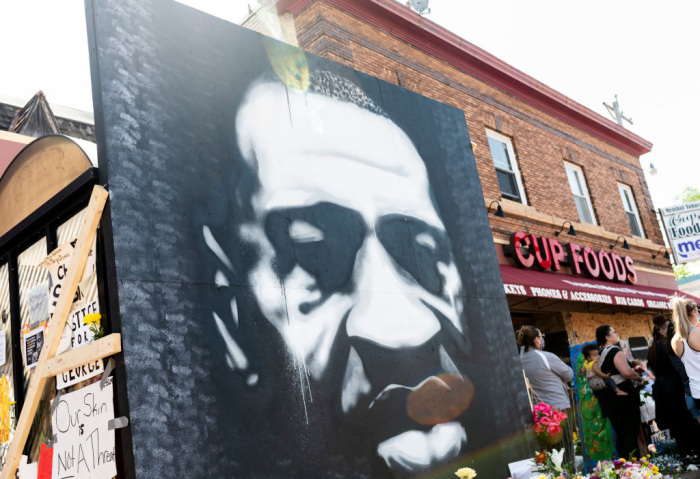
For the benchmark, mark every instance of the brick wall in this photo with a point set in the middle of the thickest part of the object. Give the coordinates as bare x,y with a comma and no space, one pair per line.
542,143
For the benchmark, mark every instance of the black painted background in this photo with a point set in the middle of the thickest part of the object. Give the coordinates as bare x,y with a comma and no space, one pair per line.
167,81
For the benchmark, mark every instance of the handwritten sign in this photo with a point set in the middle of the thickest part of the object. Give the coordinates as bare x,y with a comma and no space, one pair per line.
33,342
84,446
56,263
77,334
38,302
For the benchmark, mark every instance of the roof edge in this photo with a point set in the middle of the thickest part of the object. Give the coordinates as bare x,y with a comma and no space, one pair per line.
426,35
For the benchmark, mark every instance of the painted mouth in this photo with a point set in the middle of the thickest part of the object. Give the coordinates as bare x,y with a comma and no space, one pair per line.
414,451
414,426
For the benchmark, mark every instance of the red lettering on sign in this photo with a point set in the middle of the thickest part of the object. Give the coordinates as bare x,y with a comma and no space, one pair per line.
631,272
590,261
518,241
606,265
544,261
620,271
575,258
557,251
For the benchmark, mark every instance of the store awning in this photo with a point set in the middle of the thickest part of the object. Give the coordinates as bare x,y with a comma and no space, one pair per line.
564,287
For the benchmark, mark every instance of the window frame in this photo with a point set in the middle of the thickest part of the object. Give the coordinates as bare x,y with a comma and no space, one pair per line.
584,186
633,202
508,141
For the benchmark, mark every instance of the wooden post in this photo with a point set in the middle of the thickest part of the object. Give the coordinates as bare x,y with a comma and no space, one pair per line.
86,236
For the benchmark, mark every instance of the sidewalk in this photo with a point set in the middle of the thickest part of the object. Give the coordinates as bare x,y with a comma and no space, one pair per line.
691,475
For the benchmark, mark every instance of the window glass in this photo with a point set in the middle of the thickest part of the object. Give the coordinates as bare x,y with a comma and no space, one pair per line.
499,152
630,208
69,230
579,190
507,172
31,275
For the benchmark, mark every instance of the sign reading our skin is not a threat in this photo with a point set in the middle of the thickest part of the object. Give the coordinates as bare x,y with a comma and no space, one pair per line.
682,223
84,446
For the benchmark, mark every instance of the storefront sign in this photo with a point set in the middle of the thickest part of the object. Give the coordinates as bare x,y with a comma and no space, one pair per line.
682,225
530,251
84,444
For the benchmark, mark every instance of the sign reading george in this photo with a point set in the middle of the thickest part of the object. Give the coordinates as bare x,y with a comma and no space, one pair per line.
84,444
549,254
682,225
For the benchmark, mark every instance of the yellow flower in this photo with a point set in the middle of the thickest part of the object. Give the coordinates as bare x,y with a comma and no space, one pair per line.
466,473
93,318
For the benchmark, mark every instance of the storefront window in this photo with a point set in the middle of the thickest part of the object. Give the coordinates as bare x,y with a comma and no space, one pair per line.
31,276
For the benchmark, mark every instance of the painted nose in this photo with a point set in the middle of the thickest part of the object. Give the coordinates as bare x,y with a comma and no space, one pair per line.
388,309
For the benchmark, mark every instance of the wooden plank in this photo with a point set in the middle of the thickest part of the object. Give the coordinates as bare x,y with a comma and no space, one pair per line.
93,351
88,230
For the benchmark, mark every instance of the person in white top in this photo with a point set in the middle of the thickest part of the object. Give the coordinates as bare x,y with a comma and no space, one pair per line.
686,341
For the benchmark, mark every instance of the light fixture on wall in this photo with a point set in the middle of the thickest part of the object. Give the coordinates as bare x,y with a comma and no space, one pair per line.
666,255
571,231
499,211
624,243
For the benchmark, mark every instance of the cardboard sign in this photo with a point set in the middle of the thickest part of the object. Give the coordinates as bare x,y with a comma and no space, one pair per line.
38,302
56,263
4,410
84,445
33,342
77,334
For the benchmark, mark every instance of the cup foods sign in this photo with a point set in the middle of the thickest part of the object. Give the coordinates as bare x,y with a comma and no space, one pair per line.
549,254
682,225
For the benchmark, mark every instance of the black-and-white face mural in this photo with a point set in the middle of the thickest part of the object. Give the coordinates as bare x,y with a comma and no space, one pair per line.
353,269
307,281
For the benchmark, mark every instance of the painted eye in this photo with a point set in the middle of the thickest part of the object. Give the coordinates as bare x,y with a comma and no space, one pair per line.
303,232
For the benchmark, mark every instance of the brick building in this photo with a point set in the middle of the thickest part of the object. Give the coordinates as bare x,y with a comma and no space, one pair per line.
549,162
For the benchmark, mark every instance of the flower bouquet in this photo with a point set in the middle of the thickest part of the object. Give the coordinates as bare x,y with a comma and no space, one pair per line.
548,421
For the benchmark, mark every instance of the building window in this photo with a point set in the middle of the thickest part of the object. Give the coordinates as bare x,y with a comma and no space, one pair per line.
578,188
506,167
631,209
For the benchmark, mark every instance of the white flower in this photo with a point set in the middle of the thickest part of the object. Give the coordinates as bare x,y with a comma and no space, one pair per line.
692,467
557,458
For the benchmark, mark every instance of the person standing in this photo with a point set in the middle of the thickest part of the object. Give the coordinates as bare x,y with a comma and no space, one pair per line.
548,376
623,411
668,390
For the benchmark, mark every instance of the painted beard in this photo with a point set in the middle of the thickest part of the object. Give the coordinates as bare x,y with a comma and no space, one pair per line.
403,407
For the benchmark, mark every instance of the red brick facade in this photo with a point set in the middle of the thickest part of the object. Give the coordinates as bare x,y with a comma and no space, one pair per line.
545,127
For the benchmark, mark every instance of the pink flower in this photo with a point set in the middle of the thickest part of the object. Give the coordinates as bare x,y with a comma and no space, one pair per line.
539,428
545,421
553,429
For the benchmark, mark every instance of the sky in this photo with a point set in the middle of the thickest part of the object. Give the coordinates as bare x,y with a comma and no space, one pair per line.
644,51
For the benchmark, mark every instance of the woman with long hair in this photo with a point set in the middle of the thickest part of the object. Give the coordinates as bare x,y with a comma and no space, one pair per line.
668,390
623,411
686,342
548,376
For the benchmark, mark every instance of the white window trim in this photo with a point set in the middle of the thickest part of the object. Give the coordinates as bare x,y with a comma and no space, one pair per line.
514,160
633,201
584,185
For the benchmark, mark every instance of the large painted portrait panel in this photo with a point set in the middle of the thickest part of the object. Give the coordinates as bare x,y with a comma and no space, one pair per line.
307,282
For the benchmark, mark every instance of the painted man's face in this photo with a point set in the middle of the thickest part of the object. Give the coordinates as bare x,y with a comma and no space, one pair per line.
356,272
